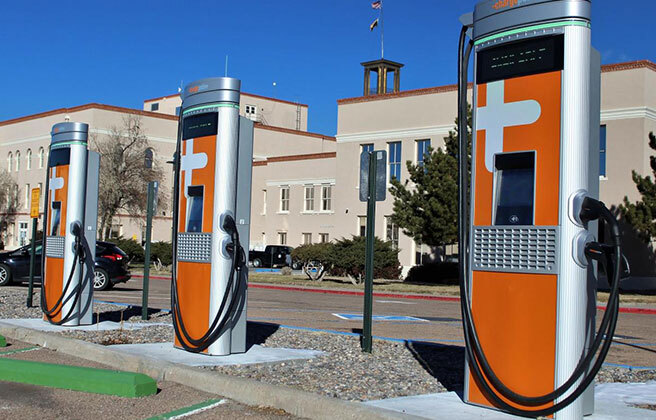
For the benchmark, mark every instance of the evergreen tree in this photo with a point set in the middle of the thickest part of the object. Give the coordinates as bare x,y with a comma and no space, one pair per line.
642,214
426,205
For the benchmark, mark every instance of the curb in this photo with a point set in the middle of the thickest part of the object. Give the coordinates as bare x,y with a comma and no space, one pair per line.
76,378
243,390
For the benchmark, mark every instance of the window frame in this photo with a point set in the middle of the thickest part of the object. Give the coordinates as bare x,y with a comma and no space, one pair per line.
308,202
284,201
396,155
326,199
418,146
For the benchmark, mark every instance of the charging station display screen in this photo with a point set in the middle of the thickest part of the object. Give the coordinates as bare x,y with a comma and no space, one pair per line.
55,218
195,213
59,157
514,192
200,125
523,58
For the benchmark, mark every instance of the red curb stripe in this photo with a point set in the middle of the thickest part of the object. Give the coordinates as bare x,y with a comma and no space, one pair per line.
626,310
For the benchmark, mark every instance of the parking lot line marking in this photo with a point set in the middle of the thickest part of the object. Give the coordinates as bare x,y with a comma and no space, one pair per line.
189,411
7,353
358,317
396,301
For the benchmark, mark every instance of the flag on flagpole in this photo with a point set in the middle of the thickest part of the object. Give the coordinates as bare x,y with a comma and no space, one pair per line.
377,4
373,25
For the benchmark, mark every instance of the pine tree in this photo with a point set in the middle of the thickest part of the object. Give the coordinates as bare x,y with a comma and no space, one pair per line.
426,205
642,214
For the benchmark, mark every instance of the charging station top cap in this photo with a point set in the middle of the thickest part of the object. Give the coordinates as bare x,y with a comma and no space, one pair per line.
69,131
492,16
211,90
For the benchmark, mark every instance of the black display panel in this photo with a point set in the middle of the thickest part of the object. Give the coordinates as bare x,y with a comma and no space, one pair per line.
200,125
522,58
59,157
195,208
515,185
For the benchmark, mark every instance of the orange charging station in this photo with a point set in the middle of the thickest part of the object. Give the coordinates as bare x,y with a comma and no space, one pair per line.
212,189
69,223
528,213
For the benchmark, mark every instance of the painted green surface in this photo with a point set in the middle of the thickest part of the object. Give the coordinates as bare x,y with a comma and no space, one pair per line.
3,341
75,378
23,350
185,410
569,22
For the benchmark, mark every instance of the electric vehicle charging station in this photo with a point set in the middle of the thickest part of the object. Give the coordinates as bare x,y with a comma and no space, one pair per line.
211,219
528,222
69,227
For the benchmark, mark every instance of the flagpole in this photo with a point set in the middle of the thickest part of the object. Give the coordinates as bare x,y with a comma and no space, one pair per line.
382,32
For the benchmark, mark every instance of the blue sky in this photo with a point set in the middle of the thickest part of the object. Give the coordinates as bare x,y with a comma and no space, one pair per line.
66,53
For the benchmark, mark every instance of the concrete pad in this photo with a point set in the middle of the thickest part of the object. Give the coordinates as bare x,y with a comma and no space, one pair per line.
256,354
41,325
612,401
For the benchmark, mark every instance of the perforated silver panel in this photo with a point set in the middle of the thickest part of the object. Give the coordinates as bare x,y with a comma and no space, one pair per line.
55,246
194,247
525,249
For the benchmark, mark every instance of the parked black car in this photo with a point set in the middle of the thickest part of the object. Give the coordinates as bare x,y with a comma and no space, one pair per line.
111,266
272,256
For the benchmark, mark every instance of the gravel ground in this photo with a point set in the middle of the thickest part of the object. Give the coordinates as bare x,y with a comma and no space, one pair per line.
392,370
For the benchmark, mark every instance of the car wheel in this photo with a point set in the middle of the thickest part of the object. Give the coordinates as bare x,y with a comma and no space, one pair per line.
257,262
296,265
5,275
101,280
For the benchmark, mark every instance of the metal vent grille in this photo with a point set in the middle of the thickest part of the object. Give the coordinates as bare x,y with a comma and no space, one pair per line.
55,246
527,249
194,247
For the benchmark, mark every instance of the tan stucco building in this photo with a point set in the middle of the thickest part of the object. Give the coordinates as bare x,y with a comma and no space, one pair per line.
305,185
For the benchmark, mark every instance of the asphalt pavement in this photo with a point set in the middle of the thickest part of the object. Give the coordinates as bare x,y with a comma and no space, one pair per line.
436,321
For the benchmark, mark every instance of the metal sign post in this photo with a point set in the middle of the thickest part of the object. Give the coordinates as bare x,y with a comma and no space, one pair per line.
373,184
34,214
152,198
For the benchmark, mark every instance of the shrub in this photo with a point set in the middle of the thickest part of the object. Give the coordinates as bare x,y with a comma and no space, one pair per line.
315,259
348,259
434,273
132,248
163,251
286,271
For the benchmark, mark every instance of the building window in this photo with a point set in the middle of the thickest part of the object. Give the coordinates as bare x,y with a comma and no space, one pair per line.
422,149
116,230
362,225
326,198
602,151
421,254
17,161
366,148
251,112
307,239
177,110
27,196
284,199
309,198
28,159
148,158
154,106
391,232
42,156
282,238
323,238
10,160
394,160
